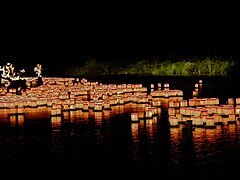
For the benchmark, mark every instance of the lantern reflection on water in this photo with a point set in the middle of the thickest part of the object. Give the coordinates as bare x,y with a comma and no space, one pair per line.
98,115
85,115
16,119
150,125
134,130
56,121
106,114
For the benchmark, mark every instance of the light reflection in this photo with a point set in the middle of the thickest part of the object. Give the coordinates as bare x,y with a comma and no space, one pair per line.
150,126
232,130
98,115
134,130
42,111
210,135
106,114
142,124
91,114
85,115
4,114
20,119
98,122
142,132
175,134
129,107
80,114
73,114
13,119
66,115
76,115
36,113
155,119
135,139
159,111
149,122
198,135
121,109
56,121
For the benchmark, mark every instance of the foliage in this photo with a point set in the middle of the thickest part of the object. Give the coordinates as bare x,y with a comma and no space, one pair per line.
190,67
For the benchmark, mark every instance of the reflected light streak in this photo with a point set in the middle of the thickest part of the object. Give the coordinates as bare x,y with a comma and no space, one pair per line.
150,126
13,120
198,135
20,119
36,113
175,134
115,109
142,124
66,115
210,135
91,114
106,114
85,115
121,109
56,121
98,122
3,115
134,130
232,128
98,115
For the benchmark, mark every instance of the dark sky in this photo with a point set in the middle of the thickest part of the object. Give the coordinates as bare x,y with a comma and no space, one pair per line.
121,30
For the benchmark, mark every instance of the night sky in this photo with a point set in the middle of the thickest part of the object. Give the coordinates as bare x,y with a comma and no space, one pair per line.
56,34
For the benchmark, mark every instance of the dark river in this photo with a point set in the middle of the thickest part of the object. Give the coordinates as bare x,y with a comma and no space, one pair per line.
107,144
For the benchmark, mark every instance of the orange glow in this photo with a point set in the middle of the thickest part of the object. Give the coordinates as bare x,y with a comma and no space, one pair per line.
13,120
56,121
135,134
20,119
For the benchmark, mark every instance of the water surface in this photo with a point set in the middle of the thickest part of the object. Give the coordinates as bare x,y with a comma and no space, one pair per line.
108,145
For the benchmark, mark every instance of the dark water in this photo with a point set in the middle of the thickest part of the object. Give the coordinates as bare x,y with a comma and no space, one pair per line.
115,148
